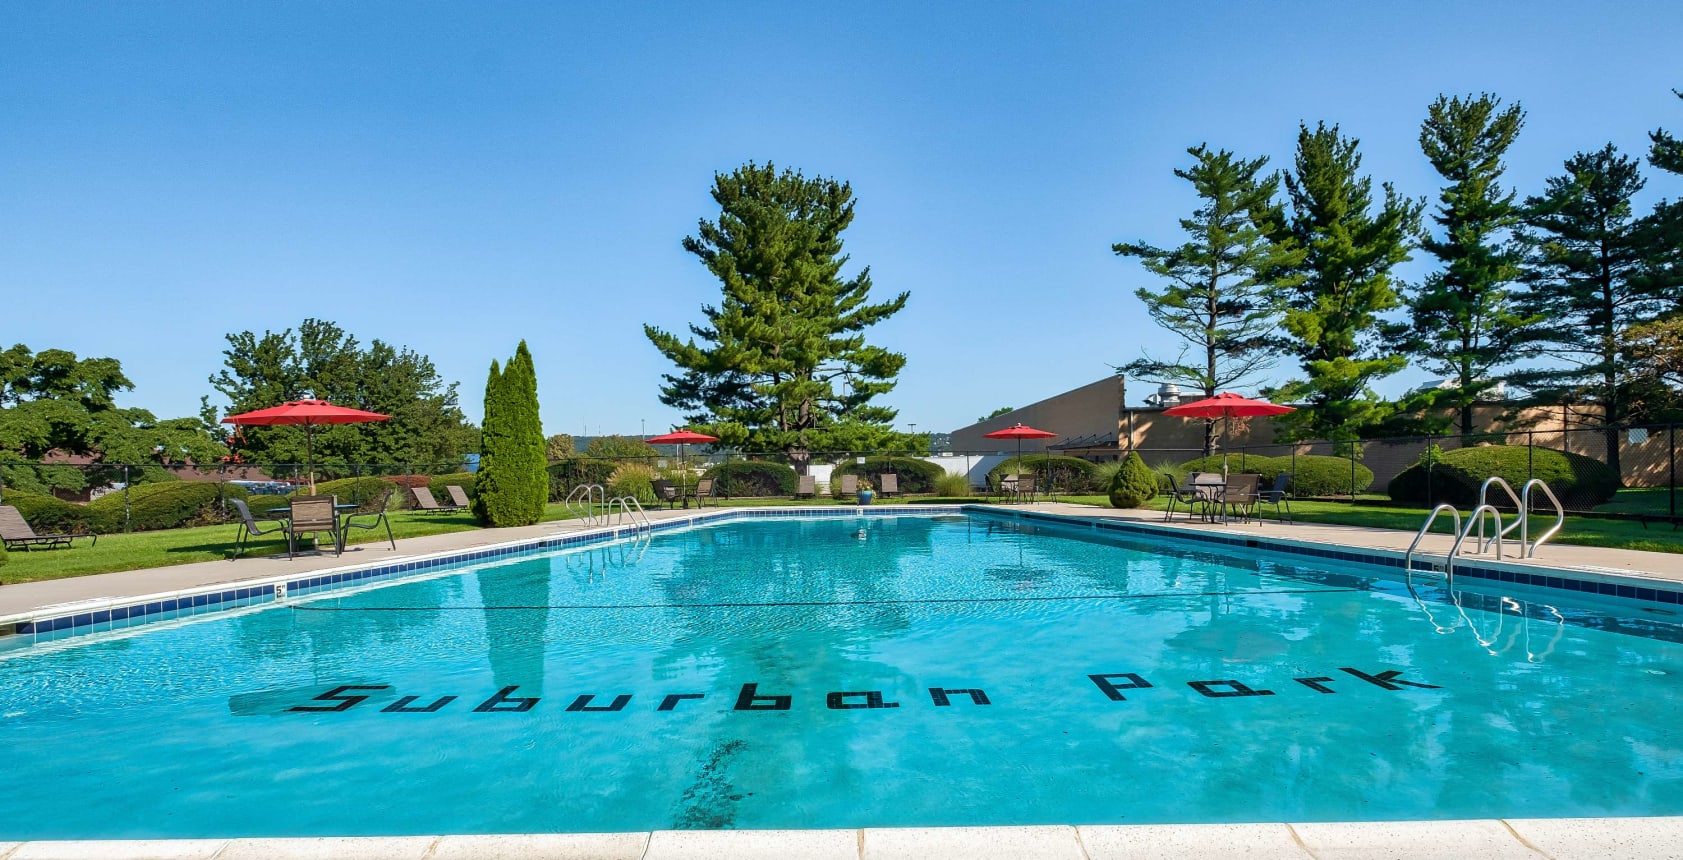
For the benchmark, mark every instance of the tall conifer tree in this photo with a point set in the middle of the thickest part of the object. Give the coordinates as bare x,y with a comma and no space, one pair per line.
1215,298
1593,273
1462,320
1334,295
782,363
487,485
512,485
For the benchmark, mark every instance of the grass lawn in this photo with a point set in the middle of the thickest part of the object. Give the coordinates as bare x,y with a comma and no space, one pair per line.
1641,500
1579,531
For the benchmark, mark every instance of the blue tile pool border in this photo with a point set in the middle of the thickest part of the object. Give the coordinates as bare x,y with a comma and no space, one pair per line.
102,616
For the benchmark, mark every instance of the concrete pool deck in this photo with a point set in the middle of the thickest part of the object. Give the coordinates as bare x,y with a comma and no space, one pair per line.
1550,838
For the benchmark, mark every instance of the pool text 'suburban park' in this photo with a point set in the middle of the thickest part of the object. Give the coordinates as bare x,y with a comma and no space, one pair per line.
749,698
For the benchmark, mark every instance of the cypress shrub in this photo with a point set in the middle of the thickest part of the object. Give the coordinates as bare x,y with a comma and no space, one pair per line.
1579,482
750,478
171,505
916,476
1069,474
49,514
512,484
1133,484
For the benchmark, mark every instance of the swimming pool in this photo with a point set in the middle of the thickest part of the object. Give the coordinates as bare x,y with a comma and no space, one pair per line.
802,673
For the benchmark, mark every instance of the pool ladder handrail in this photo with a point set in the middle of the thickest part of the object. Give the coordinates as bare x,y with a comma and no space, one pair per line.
582,502
1519,523
629,509
1528,549
1408,557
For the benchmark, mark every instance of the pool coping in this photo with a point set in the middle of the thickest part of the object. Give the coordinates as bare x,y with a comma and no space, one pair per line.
1558,838
20,630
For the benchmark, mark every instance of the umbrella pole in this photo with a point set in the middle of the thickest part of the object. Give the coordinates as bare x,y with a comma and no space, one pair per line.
310,457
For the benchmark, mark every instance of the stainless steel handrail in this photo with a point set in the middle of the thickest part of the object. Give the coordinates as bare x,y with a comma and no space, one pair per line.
630,508
1528,549
1501,532
1408,557
582,502
1476,515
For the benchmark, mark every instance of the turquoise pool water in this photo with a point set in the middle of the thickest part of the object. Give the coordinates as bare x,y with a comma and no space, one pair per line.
802,673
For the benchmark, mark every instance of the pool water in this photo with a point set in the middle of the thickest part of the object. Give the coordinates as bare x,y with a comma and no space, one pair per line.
850,672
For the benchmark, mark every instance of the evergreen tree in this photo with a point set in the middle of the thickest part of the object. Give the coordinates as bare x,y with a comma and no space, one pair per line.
1462,320
1334,294
489,490
1215,298
782,359
526,439
1667,150
1592,273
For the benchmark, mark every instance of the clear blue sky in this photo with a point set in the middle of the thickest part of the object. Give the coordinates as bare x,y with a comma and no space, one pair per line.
457,176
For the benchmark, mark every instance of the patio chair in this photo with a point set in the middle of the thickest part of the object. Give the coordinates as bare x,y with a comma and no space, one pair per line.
376,519
425,502
849,487
250,527
1022,486
16,533
1277,496
806,485
458,496
1239,495
703,489
313,516
889,484
666,491
1187,497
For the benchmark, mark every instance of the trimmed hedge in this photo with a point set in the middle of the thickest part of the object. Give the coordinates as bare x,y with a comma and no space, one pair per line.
916,476
366,492
164,506
1068,474
750,478
49,515
1312,474
567,474
1579,482
1133,484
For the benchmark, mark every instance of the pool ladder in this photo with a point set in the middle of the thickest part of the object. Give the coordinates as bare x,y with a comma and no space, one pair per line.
590,503
1485,511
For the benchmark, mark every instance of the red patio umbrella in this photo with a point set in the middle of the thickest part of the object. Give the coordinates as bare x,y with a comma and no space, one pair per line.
1019,432
1224,406
681,438
305,413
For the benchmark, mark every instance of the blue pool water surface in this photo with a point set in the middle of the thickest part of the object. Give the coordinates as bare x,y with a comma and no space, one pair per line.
1231,686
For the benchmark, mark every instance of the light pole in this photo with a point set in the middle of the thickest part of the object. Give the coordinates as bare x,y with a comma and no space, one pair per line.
914,437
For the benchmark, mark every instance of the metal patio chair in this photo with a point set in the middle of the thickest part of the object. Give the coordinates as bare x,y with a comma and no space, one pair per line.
313,516
1277,496
250,527
376,519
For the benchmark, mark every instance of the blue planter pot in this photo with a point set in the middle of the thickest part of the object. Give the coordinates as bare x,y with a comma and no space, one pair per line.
865,497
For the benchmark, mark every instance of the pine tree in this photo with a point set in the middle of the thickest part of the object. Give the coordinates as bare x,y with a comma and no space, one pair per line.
1592,273
1462,320
1335,294
1667,150
1216,298
783,358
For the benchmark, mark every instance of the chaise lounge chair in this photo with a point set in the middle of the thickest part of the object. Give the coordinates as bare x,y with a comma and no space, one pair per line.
849,487
889,483
459,496
806,486
425,502
16,533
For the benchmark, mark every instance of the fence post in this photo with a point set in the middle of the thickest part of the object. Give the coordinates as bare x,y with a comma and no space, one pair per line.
1672,432
125,499
1352,472
1530,454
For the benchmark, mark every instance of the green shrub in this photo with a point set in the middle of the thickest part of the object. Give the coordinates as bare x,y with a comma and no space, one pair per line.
49,514
952,486
1068,474
1312,474
512,482
567,474
1133,484
2,555
635,480
916,476
465,480
259,505
1579,482
366,492
750,478
169,505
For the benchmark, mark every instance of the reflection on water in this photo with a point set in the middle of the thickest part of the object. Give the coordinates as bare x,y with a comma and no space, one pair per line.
1252,688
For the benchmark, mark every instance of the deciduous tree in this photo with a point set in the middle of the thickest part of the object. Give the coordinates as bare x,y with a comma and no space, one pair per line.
782,358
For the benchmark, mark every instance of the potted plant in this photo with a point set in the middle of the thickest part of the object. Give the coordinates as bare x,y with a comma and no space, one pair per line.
866,494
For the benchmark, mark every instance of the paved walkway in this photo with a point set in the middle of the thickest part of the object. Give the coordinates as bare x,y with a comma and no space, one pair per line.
29,596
